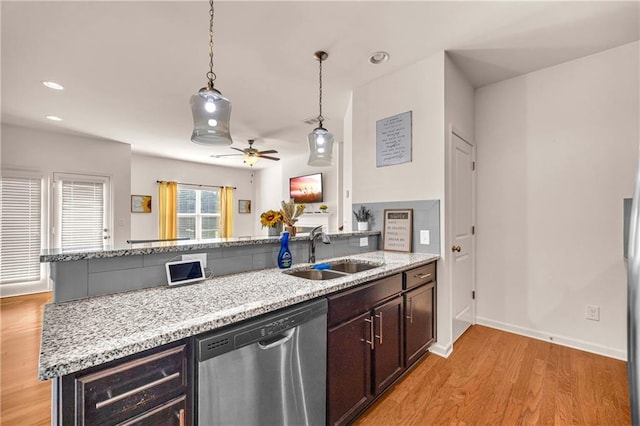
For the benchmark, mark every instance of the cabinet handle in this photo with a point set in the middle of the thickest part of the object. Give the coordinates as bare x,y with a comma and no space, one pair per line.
380,336
410,316
370,342
181,417
422,276
142,388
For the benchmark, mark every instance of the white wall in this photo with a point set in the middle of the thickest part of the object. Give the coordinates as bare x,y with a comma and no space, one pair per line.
48,152
418,88
146,170
557,152
269,193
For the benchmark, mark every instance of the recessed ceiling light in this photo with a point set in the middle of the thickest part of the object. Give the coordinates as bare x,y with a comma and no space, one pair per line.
53,85
378,58
53,118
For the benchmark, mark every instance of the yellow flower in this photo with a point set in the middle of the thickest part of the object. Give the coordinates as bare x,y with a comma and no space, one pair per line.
270,218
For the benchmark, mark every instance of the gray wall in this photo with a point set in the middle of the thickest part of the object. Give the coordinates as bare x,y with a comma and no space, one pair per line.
93,277
426,216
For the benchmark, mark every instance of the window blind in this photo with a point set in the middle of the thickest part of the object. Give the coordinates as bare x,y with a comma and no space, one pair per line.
82,216
20,227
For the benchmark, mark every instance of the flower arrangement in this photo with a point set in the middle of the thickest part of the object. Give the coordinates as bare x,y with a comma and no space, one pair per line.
323,207
270,218
290,212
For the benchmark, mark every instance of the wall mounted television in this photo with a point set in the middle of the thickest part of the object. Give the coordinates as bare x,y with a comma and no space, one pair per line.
306,189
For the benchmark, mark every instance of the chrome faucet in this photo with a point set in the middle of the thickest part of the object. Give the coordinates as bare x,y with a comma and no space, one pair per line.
313,236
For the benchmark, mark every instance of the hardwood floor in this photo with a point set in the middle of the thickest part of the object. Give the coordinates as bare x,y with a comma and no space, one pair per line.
491,378
24,400
499,378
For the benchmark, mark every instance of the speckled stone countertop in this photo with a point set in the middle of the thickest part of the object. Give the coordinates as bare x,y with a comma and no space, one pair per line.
85,333
71,254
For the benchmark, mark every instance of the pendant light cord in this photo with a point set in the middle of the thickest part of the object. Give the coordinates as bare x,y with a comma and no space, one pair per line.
320,117
211,76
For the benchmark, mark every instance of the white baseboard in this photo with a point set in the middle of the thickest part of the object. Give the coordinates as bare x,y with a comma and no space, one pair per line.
20,289
554,338
441,350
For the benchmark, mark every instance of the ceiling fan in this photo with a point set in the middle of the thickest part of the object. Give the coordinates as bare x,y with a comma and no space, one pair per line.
251,154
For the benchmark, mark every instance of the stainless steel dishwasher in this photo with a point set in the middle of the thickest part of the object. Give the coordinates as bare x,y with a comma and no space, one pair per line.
271,371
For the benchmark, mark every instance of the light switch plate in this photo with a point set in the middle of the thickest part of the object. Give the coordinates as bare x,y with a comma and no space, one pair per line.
364,241
424,237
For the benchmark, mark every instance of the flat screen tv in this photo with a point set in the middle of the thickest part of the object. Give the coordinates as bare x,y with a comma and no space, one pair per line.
306,189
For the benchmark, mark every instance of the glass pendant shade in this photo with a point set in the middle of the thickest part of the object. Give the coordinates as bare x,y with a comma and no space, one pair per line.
211,116
250,160
320,148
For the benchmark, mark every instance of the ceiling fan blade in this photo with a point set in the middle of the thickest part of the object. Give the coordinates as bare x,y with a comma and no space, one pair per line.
270,151
270,158
237,149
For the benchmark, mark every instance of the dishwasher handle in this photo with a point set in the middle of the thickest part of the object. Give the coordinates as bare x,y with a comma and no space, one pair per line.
278,340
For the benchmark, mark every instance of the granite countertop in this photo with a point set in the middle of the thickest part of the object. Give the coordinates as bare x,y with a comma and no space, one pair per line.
88,332
71,254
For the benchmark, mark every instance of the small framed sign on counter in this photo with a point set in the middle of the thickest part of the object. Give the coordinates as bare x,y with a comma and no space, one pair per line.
398,230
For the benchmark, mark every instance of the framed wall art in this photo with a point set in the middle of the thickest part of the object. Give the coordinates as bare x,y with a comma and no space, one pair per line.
244,206
141,204
397,230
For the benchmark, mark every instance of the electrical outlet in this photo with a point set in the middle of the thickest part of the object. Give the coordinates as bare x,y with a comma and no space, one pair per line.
593,313
364,241
424,237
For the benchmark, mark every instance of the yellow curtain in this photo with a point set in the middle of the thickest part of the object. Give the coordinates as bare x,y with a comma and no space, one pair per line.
226,211
168,210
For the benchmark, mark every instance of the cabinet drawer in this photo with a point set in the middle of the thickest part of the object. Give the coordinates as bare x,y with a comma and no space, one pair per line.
354,302
117,393
419,276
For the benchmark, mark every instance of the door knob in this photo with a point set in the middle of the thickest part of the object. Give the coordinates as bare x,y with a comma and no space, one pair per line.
456,248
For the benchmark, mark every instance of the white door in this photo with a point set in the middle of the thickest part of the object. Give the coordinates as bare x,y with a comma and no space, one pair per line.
462,244
81,211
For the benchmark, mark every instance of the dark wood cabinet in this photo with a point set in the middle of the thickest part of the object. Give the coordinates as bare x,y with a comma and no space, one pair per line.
375,332
388,346
152,388
349,368
419,321
365,347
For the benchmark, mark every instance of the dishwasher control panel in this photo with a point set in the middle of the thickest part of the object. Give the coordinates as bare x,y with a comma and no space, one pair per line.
262,328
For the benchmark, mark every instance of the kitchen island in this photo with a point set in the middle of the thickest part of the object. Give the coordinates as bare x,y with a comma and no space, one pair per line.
84,333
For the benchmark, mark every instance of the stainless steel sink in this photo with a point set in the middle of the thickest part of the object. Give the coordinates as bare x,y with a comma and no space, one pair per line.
338,269
313,274
352,266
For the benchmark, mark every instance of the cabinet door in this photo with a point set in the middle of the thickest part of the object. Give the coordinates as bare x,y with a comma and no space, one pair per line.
172,413
388,353
349,368
419,321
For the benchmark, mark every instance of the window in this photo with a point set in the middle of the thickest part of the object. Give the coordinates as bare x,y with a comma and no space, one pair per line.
20,229
82,211
198,213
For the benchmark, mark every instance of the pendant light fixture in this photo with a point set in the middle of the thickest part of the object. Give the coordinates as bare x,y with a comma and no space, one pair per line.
211,111
320,140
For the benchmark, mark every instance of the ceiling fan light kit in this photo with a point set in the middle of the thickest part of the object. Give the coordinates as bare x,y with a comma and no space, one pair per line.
320,140
211,110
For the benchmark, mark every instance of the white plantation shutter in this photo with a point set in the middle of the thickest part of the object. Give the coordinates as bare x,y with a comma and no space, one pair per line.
82,215
20,227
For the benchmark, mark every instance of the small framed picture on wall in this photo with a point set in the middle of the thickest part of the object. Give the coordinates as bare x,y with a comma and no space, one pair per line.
141,204
244,206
